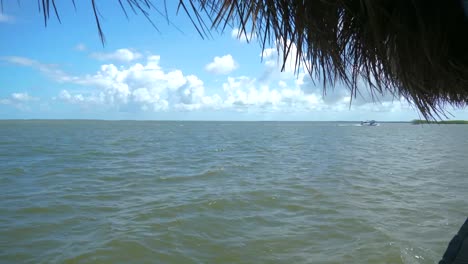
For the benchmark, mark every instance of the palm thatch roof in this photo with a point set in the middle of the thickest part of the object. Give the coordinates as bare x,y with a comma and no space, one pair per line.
417,49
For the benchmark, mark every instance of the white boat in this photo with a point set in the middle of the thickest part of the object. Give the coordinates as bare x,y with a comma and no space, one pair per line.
369,123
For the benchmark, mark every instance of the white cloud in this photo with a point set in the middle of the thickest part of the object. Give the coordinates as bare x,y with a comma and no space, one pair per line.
222,65
80,47
244,92
146,86
90,101
334,98
123,55
6,18
268,53
51,70
22,97
282,84
243,37
274,59
20,61
19,100
149,88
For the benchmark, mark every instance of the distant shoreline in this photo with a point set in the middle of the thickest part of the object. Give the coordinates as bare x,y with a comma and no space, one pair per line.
163,120
444,122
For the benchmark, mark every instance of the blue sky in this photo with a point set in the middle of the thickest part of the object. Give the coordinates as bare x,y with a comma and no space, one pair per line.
63,71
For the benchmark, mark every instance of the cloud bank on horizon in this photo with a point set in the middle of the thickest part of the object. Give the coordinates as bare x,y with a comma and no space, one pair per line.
140,84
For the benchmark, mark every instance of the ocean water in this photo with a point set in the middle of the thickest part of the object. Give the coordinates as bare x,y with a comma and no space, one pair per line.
229,192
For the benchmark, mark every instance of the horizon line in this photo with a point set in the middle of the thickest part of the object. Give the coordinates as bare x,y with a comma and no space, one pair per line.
184,120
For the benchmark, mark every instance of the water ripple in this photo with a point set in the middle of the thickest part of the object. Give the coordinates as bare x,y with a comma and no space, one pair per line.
171,192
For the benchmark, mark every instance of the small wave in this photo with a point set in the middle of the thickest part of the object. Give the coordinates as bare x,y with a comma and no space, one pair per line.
43,150
132,153
14,172
411,255
199,176
124,250
41,210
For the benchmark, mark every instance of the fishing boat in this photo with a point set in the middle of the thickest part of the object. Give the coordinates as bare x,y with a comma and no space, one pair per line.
369,123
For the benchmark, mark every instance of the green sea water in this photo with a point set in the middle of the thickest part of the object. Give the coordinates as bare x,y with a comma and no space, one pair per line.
229,192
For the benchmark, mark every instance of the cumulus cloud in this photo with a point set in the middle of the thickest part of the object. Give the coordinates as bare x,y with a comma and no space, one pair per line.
123,55
6,18
222,65
146,86
245,92
19,100
81,99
